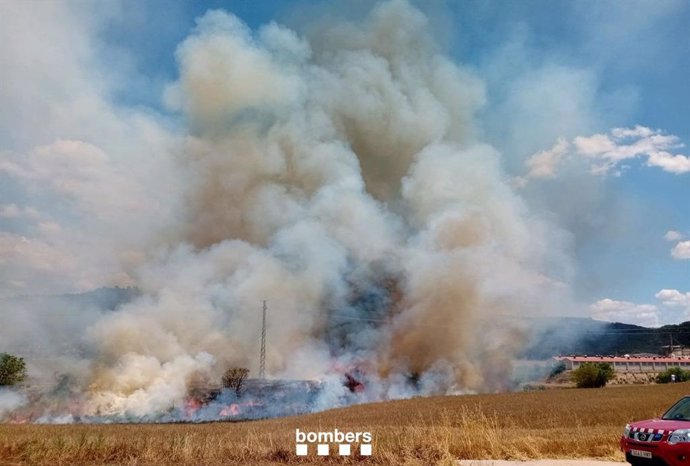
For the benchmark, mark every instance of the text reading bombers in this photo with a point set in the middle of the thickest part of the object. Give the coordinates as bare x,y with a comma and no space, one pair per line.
323,439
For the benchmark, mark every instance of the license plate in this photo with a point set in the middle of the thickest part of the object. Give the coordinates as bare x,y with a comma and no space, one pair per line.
641,453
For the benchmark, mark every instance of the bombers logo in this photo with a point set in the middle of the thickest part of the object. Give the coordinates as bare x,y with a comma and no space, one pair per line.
323,441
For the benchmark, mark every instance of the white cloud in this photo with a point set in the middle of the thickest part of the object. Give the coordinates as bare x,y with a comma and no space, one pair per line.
606,152
673,235
593,145
674,307
670,297
612,310
669,162
681,250
544,164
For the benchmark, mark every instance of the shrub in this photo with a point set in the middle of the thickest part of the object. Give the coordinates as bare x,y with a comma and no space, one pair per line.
234,378
12,369
665,377
592,374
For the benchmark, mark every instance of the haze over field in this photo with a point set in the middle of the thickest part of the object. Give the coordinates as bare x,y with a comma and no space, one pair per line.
344,169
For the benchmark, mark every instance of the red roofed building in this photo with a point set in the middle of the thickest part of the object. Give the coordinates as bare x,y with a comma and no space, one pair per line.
629,363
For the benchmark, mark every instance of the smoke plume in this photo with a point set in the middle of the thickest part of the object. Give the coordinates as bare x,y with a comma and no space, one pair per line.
337,174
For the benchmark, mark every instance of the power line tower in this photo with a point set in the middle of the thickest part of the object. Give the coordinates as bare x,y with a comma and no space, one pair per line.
262,358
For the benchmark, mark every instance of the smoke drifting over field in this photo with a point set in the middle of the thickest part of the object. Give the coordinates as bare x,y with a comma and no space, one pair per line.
337,175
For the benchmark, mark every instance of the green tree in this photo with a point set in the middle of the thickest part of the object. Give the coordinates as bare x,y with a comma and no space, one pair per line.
12,369
665,377
234,378
592,374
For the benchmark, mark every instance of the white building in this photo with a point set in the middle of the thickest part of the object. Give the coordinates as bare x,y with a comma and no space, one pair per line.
629,363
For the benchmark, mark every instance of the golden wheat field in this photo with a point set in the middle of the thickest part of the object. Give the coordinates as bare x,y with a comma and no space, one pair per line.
562,423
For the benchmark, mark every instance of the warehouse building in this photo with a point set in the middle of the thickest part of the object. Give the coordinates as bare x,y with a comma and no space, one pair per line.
629,363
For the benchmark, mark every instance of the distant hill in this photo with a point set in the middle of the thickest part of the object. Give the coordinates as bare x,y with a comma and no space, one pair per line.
548,337
37,327
568,335
101,298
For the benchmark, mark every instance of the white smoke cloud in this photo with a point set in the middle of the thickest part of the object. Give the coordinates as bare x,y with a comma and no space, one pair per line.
80,165
150,386
10,400
14,211
333,174
227,73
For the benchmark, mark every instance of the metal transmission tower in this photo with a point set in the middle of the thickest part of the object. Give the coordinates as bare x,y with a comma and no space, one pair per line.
262,358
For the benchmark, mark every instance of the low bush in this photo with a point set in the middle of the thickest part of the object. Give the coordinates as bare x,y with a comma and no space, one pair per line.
665,377
234,379
593,374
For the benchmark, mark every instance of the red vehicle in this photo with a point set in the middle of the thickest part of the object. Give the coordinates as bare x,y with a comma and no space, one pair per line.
660,442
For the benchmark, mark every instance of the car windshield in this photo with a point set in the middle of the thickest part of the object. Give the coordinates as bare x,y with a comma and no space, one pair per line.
679,411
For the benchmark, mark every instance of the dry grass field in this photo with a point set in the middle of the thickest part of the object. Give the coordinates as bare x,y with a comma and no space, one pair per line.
563,423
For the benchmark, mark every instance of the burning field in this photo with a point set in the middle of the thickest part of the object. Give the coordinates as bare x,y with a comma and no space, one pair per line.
575,423
336,173
257,399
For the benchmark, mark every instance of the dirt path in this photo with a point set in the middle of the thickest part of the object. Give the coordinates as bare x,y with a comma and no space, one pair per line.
539,463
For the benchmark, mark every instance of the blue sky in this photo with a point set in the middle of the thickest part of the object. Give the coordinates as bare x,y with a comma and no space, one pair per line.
551,69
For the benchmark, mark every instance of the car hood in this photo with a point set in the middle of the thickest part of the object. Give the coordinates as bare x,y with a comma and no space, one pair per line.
659,425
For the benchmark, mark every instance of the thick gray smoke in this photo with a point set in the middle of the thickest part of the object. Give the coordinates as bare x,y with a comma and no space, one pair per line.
337,175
